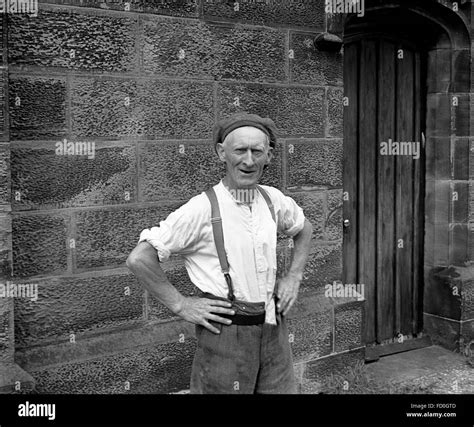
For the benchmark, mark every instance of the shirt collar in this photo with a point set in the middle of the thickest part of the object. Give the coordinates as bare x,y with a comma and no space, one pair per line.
225,191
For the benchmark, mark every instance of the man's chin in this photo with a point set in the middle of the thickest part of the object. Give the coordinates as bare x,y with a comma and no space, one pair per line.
247,182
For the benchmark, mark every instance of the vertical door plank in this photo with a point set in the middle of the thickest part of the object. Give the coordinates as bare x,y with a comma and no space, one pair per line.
404,199
367,182
385,183
418,183
351,133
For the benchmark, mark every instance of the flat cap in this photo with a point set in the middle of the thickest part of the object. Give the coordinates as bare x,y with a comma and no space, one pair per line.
225,126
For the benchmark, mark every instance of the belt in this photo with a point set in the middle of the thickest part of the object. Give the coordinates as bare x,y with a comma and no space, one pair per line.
246,313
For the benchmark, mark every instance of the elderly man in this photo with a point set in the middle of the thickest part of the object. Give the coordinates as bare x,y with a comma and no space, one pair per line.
227,237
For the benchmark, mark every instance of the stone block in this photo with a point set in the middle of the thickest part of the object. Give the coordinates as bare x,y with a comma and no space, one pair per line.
323,267
39,244
178,48
67,39
335,114
461,157
444,332
14,380
5,180
98,174
439,115
439,66
315,209
310,301
321,369
176,109
459,236
107,108
94,344
7,345
461,70
441,244
460,204
438,158
348,326
470,242
311,337
37,107
439,198
5,244
461,115
442,295
251,54
2,44
269,13
106,237
150,109
467,334
182,8
467,300
313,66
314,162
162,368
471,156
221,52
73,305
3,111
471,202
429,244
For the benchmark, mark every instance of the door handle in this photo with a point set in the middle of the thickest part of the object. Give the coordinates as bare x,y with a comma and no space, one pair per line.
346,223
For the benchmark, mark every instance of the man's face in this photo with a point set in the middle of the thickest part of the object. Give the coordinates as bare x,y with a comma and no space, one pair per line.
245,151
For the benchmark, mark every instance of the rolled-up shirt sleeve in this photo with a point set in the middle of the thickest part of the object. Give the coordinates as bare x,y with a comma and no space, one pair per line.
179,232
290,216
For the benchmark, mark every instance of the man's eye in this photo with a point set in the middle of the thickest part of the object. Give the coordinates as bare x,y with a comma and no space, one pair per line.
241,150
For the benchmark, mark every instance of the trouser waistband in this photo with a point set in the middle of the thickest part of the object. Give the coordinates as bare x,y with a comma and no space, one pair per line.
246,313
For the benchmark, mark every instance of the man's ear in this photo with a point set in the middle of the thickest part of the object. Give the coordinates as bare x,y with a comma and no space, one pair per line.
269,156
220,152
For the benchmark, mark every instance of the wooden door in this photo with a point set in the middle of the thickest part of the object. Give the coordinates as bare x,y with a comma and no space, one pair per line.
383,208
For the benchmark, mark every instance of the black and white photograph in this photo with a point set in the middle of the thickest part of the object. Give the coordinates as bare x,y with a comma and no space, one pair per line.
269,199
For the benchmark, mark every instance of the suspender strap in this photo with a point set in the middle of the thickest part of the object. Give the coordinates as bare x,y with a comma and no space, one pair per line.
216,222
267,199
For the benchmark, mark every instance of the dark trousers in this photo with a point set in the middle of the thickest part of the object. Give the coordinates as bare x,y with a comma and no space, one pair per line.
243,359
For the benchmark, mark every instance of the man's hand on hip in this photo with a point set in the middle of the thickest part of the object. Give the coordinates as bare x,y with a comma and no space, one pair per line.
288,286
201,310
287,291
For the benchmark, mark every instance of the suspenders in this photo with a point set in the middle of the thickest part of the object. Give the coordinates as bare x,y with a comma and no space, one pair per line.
218,233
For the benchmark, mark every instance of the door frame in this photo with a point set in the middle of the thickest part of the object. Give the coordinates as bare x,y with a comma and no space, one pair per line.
451,40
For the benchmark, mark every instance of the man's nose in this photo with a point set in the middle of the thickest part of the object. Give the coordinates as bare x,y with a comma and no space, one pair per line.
248,159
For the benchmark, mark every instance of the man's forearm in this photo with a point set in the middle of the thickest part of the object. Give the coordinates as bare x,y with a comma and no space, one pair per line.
144,264
302,247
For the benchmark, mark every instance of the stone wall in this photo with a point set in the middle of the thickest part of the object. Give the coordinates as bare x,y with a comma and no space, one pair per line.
448,302
144,81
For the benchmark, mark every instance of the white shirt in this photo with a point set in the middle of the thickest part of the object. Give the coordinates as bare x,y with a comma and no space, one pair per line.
250,240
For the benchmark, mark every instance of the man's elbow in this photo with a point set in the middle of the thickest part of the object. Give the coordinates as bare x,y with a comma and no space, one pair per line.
136,256
132,260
